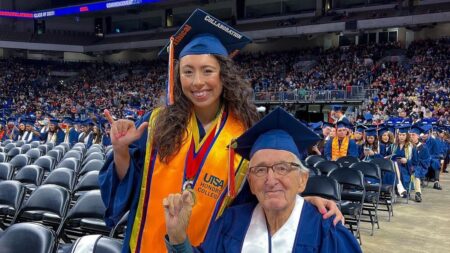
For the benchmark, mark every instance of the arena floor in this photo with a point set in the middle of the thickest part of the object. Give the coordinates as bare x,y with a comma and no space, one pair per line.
416,227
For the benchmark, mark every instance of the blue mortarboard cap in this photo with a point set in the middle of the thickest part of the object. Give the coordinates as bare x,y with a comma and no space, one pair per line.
68,120
336,107
11,119
28,121
54,121
205,34
426,128
416,129
403,128
360,128
277,130
382,130
371,132
3,122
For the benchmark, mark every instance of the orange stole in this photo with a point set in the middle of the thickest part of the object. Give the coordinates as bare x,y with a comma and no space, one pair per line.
168,178
339,151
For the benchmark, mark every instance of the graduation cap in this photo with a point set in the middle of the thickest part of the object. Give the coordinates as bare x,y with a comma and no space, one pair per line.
426,128
54,121
277,130
12,119
344,124
371,132
68,120
2,122
403,129
326,124
201,34
360,128
382,130
416,129
28,122
336,107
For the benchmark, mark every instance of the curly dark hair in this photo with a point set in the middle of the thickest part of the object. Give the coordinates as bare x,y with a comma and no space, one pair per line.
171,122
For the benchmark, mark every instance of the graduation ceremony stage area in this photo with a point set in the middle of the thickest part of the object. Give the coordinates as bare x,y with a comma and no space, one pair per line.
415,227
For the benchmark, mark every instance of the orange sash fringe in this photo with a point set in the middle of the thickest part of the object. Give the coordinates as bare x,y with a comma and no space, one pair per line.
339,151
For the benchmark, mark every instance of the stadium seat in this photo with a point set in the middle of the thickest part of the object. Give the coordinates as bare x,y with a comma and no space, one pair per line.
387,196
19,143
63,177
43,148
352,196
347,161
13,152
71,163
28,237
46,162
80,149
3,157
6,142
6,171
34,154
324,187
65,145
103,244
372,185
62,149
12,194
92,165
19,161
25,148
326,166
34,144
313,159
30,176
92,156
86,183
48,204
55,154
88,211
94,150
9,146
74,154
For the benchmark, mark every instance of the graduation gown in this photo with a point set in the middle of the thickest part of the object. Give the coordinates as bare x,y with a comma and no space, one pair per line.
406,169
423,161
106,140
352,149
433,148
314,234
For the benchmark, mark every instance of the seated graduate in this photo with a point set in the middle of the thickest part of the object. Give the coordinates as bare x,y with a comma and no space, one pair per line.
341,145
422,164
280,220
370,148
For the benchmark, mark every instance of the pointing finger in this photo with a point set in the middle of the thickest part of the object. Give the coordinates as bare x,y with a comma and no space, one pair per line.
108,116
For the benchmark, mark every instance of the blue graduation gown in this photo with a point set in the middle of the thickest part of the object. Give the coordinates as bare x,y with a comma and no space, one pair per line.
406,169
385,149
352,149
423,161
73,136
433,148
106,140
314,234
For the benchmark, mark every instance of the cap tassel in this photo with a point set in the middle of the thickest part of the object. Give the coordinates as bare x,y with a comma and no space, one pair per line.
170,78
231,175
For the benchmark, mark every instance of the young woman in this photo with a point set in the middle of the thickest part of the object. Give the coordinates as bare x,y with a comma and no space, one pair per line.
404,156
359,138
386,142
185,144
96,135
371,148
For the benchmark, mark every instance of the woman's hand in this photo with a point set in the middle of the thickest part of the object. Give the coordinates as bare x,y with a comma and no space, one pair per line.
403,160
327,208
123,132
177,213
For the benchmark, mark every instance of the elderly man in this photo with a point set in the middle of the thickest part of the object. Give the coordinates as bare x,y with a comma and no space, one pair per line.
280,220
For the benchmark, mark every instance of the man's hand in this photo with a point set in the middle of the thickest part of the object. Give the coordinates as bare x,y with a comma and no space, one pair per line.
177,213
